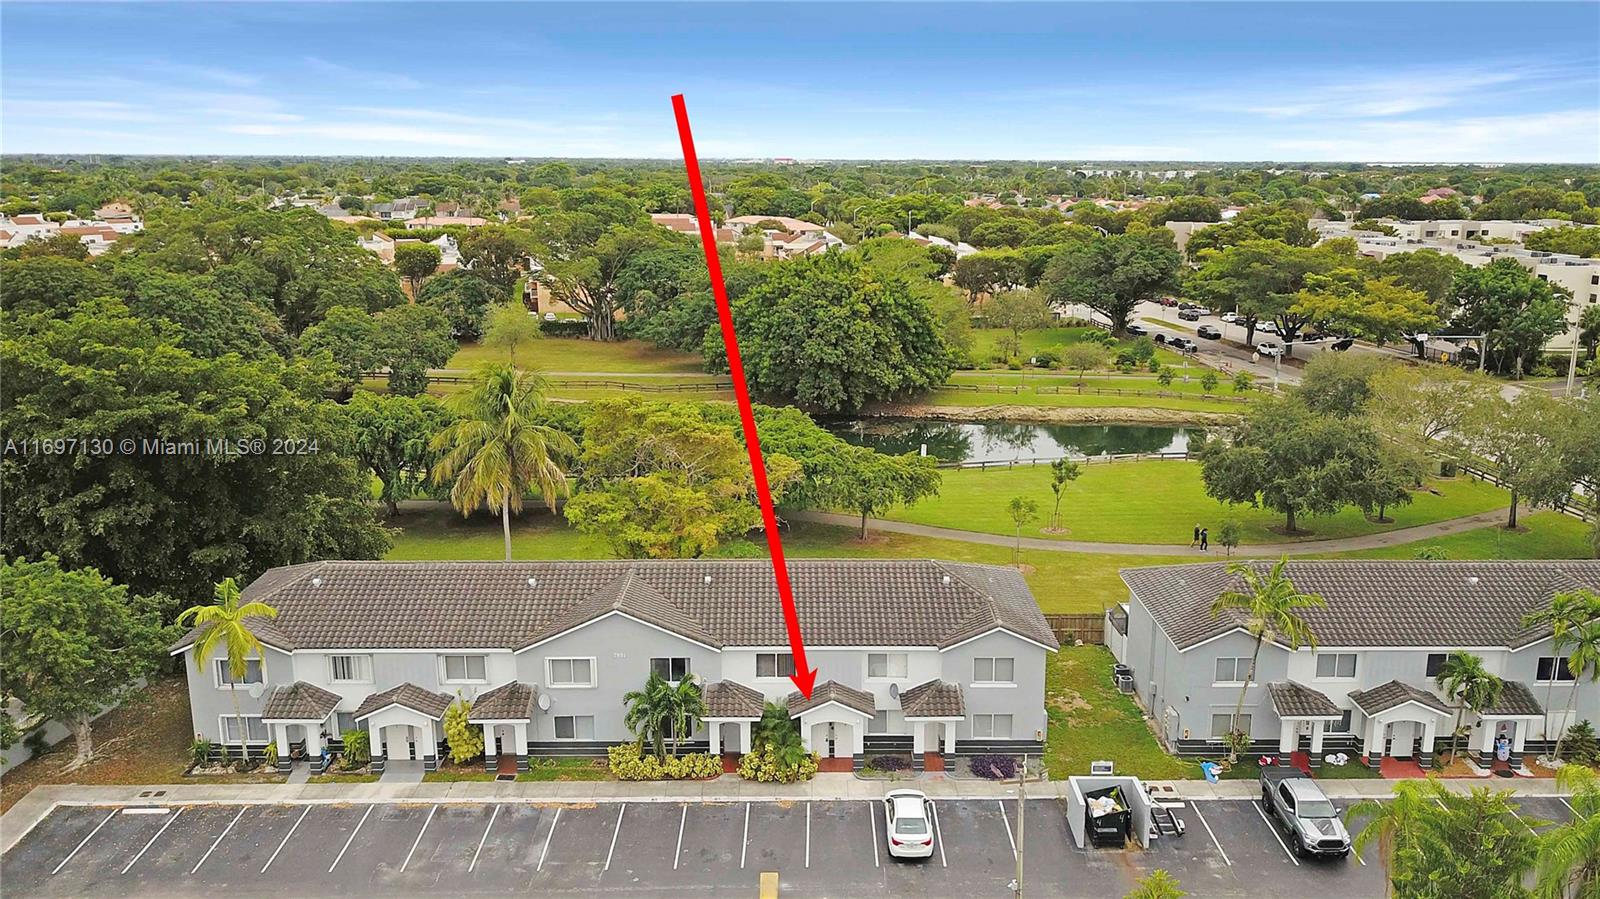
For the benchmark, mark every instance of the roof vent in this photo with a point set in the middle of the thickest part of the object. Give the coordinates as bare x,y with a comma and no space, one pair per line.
316,582
1473,580
945,580
533,582
708,578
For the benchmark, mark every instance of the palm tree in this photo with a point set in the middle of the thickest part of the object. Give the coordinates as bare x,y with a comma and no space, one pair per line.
1569,855
649,710
1394,824
1565,613
1157,885
779,732
224,626
496,450
1270,604
1468,684
686,709
1584,661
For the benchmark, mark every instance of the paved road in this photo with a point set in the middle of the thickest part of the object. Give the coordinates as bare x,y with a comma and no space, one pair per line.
1308,547
817,848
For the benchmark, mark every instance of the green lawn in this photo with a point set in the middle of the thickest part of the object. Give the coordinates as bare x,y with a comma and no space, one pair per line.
1032,382
1072,400
1158,502
1090,720
1541,535
986,342
578,354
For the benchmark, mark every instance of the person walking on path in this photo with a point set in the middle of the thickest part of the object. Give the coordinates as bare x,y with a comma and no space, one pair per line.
1196,538
1205,538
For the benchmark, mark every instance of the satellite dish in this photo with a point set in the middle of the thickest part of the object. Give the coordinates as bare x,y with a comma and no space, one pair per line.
696,679
894,691
544,702
255,691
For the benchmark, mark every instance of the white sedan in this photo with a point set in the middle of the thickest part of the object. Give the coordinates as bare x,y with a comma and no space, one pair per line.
1230,317
908,823
1269,348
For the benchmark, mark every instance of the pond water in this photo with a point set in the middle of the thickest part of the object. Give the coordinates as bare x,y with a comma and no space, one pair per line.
1000,441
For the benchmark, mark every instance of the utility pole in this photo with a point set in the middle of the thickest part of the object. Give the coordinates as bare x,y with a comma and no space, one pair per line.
1572,365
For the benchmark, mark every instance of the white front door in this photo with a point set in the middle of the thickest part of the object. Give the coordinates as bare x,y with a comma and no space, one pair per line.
1402,734
397,742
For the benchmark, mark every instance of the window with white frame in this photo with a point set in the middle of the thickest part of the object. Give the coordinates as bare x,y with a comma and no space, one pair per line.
987,670
1224,724
1336,664
252,729
342,722
1553,669
888,665
991,727
673,669
226,680
574,727
774,664
571,672
350,669
887,721
1342,726
463,669
1232,670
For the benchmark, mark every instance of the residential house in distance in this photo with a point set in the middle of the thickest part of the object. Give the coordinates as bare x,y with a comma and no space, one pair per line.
398,210
960,248
684,223
441,221
1368,687
923,656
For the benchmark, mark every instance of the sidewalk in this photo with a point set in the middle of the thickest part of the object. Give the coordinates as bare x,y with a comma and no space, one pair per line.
728,788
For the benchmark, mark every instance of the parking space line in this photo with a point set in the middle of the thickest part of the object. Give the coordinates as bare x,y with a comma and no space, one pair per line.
84,843
873,815
1214,841
414,843
1568,805
1524,822
285,839
485,838
938,831
218,840
678,852
614,837
152,842
1007,819
549,837
1275,834
808,834
746,844
352,839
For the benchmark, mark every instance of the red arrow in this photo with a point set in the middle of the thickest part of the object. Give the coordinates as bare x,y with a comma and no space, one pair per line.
804,675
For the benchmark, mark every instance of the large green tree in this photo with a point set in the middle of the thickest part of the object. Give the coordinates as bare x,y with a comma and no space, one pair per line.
1518,311
416,261
393,437
1113,274
1523,441
463,298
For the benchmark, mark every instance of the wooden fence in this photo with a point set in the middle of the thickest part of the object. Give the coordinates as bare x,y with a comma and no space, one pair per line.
1080,389
593,384
985,465
1086,627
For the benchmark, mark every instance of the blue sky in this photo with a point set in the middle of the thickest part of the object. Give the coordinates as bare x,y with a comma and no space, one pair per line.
1287,81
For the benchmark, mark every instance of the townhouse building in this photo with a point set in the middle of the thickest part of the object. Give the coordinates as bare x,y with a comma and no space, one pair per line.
923,656
1368,687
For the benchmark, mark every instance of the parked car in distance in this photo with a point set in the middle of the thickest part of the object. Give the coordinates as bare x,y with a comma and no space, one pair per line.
1310,823
1190,315
1183,344
549,316
1138,330
1167,301
1209,332
1269,349
1230,317
1160,338
1267,327
1203,310
908,823
1187,306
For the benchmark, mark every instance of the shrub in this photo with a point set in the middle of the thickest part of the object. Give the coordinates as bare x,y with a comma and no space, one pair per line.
464,739
565,327
1208,381
1164,376
1581,746
1014,364
1242,382
271,754
199,751
994,767
764,766
627,764
357,748
1153,364
1047,358
890,763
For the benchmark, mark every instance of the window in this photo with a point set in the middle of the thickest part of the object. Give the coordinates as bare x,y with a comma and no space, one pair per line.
1336,664
887,664
1222,725
351,669
1231,670
225,679
1556,664
994,727
987,670
1435,663
774,664
342,722
1342,726
571,672
574,727
671,669
254,730
464,669
887,721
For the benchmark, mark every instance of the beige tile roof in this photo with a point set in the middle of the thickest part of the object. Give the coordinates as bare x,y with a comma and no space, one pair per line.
832,691
408,695
933,699
1386,696
511,701
488,605
1292,700
299,701
1376,603
727,699
1515,699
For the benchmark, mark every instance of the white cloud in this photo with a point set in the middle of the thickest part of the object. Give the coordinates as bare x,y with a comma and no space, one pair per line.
377,79
85,110
226,77
1568,135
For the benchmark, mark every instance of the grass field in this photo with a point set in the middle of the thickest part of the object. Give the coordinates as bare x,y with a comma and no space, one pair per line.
986,342
1071,400
1090,720
1159,502
578,354
1031,382
1541,535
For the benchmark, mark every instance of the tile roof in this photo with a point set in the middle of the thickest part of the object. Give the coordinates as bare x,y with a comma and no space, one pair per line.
832,691
1292,700
727,699
1375,603
511,701
488,605
299,701
933,699
408,695
1515,699
1386,696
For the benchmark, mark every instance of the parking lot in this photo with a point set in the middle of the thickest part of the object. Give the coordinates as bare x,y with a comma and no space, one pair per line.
820,848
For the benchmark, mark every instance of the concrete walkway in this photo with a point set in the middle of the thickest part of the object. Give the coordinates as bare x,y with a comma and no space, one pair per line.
1301,548
728,788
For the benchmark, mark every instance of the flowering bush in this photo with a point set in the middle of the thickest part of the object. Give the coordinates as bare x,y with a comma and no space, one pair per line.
994,767
765,765
889,763
627,764
464,739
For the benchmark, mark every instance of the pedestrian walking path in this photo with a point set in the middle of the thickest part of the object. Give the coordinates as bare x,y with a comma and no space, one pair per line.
1301,548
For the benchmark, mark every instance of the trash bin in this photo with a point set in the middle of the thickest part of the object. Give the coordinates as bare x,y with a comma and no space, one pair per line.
1107,819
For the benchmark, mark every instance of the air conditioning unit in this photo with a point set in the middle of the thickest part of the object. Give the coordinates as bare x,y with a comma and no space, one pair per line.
1124,682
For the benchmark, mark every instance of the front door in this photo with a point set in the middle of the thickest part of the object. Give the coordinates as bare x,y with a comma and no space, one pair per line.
1402,734
397,742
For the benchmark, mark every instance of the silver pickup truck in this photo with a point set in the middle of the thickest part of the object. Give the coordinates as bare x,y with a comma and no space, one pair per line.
1310,823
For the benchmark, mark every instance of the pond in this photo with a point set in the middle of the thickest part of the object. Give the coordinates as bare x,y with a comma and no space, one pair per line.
1000,441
